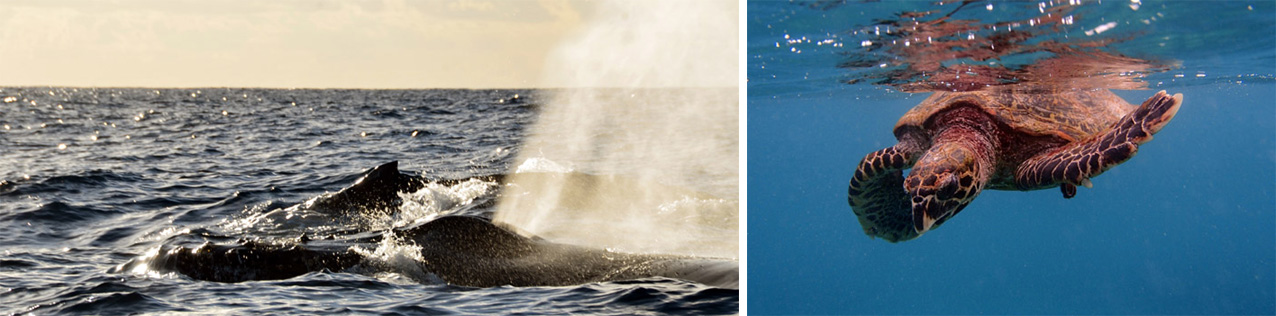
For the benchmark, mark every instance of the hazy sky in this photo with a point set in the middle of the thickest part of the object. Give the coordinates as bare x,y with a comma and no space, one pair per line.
310,43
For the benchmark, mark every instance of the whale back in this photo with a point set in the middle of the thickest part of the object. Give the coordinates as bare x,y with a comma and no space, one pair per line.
471,251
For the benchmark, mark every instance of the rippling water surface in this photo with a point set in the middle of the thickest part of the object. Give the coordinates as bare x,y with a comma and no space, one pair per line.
1184,227
92,179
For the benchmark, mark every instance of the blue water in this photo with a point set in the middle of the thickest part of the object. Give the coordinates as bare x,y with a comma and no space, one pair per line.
1188,226
93,179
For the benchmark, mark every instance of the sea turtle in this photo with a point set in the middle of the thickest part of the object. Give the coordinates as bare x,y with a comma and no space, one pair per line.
1007,138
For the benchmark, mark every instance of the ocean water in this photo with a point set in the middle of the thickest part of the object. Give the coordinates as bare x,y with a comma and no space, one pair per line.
1187,226
96,179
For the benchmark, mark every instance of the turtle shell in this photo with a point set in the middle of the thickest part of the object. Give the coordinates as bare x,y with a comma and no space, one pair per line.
1068,114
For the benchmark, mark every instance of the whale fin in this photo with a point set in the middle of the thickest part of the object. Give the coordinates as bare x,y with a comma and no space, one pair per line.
378,189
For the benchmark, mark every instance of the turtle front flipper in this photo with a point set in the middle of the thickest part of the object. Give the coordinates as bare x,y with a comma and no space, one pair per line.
1075,164
877,195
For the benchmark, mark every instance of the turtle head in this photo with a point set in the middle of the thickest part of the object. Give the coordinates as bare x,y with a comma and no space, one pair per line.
943,181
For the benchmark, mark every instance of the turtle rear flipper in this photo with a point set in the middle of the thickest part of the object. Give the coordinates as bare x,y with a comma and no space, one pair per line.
1075,164
877,195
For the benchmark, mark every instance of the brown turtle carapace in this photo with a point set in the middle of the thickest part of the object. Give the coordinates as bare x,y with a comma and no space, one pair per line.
1005,138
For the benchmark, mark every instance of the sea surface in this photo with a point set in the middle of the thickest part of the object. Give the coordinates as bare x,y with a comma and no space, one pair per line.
1187,226
93,179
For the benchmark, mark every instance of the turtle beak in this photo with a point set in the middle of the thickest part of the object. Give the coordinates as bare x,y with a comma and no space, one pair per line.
935,203
922,222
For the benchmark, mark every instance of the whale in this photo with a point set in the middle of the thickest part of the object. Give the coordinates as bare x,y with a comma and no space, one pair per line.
471,251
458,249
377,188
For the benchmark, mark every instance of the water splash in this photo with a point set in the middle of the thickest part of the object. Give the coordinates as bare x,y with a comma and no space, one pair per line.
435,200
650,162
393,259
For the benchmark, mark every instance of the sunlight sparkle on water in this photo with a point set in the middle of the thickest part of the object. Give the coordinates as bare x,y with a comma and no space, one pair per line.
1101,28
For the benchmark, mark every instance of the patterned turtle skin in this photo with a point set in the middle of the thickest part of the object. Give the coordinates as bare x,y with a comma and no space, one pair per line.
1006,138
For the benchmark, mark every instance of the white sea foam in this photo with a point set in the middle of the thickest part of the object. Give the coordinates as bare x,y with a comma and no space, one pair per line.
436,200
393,259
